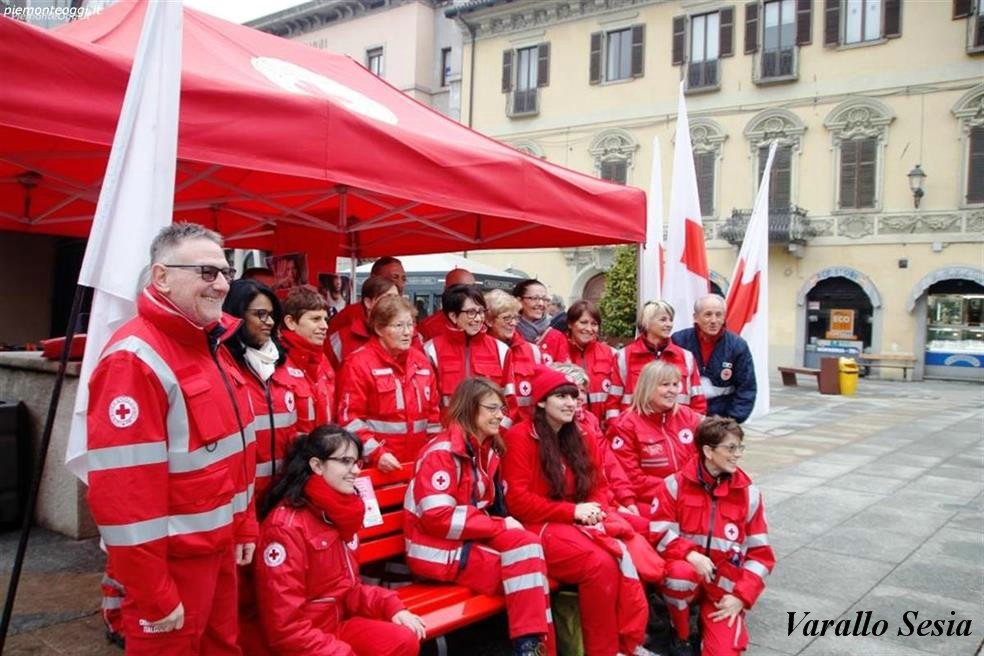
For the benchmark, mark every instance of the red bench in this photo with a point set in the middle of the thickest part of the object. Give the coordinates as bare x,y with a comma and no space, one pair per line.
444,607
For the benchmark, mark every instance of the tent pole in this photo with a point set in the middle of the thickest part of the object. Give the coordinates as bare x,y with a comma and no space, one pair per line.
343,221
32,498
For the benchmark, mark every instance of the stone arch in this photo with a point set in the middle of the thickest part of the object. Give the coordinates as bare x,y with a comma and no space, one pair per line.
529,147
720,281
969,112
866,285
581,280
974,274
775,123
613,144
706,135
859,117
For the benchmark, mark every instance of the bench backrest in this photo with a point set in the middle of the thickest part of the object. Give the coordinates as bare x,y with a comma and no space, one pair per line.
386,540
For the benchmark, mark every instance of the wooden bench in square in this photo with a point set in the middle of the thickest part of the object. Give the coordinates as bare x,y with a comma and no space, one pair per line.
789,375
444,607
903,361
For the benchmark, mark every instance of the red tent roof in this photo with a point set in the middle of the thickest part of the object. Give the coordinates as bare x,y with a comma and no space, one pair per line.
281,146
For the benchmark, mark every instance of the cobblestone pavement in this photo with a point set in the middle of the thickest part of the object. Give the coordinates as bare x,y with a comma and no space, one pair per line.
875,503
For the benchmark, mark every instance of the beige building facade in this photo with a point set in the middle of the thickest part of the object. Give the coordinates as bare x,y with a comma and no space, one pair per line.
858,94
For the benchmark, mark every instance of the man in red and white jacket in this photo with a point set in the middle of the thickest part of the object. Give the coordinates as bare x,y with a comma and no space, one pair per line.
171,454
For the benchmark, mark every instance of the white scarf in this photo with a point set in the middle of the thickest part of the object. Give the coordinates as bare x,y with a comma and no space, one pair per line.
263,360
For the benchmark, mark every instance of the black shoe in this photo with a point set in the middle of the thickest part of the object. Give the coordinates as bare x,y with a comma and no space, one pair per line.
114,638
680,647
529,646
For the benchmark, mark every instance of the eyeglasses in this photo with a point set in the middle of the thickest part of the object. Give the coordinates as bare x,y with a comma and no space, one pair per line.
732,449
473,313
262,315
208,272
348,461
509,318
400,327
495,408
536,299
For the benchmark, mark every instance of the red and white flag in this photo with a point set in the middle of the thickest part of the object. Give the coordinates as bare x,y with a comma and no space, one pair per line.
686,255
651,254
748,298
136,199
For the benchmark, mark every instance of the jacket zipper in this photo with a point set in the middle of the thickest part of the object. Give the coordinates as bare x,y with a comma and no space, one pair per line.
214,352
710,528
273,431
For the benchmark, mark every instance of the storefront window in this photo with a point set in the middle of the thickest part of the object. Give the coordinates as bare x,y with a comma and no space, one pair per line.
955,329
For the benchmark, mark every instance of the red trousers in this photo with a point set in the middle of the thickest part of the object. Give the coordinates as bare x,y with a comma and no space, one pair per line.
377,637
207,588
113,594
512,563
613,605
681,588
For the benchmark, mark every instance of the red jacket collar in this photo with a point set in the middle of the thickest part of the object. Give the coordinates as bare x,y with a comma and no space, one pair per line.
303,353
736,481
160,311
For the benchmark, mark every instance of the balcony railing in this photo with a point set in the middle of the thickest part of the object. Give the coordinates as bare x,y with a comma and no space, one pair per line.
787,225
702,75
524,101
778,63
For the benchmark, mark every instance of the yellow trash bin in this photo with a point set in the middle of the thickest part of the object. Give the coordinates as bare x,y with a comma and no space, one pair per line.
847,371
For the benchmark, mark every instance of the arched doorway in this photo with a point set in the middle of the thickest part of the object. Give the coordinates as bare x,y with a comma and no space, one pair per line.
840,316
594,289
949,309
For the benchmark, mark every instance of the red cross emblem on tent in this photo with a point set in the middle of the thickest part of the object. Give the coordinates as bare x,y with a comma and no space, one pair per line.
441,480
123,411
274,555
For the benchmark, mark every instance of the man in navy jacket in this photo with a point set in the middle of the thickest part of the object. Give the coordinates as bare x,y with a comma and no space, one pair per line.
727,374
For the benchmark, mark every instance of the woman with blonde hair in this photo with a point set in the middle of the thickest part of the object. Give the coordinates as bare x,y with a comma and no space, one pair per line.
502,313
653,343
654,438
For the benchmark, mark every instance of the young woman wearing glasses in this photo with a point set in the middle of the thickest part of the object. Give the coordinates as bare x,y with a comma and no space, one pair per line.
708,522
501,318
311,598
456,525
387,392
534,322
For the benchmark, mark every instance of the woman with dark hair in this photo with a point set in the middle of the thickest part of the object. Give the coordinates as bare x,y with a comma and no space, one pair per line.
534,322
311,598
653,343
303,335
387,394
255,348
464,349
358,332
708,521
654,438
598,359
556,487
455,520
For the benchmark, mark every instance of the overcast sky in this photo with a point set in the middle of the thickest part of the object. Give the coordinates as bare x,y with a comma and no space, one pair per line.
240,11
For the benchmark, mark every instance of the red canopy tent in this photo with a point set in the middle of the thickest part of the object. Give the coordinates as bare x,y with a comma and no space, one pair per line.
283,147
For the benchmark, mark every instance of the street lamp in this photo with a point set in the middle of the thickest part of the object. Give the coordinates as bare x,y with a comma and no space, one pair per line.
916,178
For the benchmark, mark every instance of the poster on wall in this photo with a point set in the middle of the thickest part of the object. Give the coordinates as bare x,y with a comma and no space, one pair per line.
841,325
289,270
337,290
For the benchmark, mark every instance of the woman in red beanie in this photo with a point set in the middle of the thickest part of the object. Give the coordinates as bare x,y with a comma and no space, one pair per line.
555,485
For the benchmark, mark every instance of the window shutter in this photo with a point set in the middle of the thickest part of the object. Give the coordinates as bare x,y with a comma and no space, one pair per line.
975,166
962,8
867,150
704,166
507,68
831,22
779,183
726,37
804,22
594,74
679,39
751,27
893,19
848,173
979,31
638,49
543,65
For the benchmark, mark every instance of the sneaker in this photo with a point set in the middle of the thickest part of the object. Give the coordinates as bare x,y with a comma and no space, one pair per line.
642,651
680,646
529,646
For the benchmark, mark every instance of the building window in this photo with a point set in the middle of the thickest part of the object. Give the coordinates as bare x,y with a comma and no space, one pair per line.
975,166
374,61
445,66
859,129
781,177
974,10
969,112
849,22
778,39
706,139
617,55
857,173
613,151
524,71
711,37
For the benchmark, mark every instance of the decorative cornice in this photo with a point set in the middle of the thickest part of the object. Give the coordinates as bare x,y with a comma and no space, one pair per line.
498,19
318,14
859,117
970,108
780,124
706,135
613,143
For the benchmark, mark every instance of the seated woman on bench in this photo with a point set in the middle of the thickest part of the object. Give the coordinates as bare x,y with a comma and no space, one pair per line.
311,598
456,526
556,486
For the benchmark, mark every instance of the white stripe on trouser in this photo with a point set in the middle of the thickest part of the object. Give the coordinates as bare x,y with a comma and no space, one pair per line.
112,603
432,554
513,556
679,585
676,603
668,537
625,564
525,582
549,616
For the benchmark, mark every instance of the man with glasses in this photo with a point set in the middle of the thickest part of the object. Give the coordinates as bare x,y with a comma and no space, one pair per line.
387,267
436,323
465,350
171,454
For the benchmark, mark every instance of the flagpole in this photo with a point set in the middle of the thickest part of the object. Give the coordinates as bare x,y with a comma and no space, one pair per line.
32,497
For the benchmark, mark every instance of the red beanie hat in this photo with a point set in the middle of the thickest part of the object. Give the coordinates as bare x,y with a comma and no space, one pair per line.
546,380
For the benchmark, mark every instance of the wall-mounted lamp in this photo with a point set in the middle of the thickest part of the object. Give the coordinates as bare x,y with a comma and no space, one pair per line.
916,178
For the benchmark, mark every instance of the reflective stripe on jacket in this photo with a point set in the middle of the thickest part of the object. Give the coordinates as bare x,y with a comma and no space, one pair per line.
605,389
